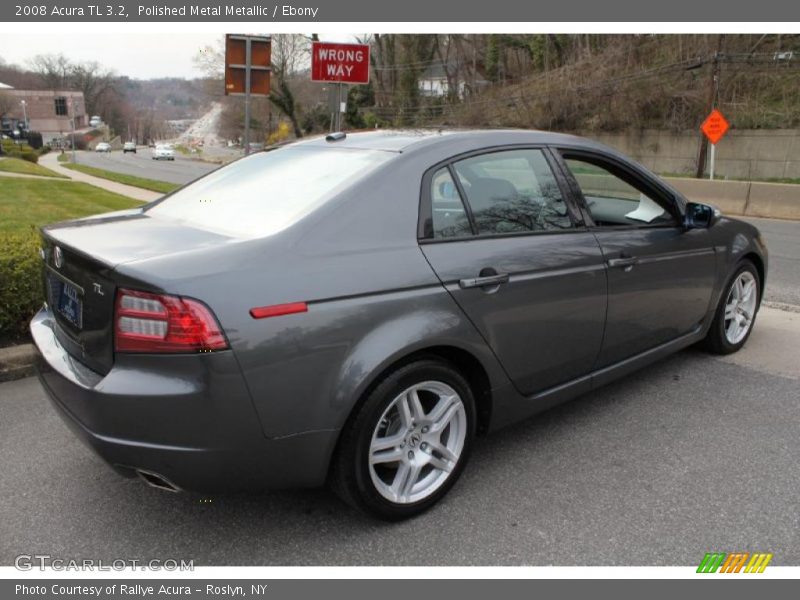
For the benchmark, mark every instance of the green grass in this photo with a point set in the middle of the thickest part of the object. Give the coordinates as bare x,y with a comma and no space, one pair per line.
64,157
24,167
29,203
140,182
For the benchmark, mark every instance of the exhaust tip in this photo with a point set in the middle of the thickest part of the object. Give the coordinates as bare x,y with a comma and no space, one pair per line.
157,481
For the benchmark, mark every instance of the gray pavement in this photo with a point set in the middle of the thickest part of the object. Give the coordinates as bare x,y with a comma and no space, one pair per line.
694,454
141,164
783,241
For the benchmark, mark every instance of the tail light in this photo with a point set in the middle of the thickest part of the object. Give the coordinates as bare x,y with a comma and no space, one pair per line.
145,322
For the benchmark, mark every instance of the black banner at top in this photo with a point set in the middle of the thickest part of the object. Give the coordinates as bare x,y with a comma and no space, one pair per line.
447,11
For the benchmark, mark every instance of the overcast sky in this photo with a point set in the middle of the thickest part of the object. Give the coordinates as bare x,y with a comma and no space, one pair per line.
137,55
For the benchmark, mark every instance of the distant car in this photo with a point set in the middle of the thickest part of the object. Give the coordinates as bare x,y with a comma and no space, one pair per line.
129,147
354,308
163,152
103,147
95,121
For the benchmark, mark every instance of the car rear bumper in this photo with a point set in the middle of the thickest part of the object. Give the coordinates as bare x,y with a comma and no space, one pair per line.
186,418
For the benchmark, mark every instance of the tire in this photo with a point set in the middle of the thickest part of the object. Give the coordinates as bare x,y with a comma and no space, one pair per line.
427,452
723,337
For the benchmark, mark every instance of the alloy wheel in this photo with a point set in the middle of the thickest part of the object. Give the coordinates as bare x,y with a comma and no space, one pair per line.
417,442
740,307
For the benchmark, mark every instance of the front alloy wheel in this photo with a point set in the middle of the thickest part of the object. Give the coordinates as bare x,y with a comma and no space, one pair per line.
740,307
408,442
736,312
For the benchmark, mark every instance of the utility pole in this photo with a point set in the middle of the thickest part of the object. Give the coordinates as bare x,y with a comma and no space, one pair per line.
248,53
713,93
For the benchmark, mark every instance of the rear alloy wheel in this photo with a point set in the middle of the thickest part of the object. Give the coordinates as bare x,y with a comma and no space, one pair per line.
408,443
736,312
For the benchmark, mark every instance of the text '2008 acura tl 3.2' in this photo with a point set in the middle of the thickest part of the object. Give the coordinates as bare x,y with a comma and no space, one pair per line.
354,309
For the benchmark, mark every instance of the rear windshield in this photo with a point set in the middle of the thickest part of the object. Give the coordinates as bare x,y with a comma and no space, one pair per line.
264,193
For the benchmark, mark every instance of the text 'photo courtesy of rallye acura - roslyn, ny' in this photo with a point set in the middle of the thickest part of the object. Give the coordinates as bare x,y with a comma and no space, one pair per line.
354,309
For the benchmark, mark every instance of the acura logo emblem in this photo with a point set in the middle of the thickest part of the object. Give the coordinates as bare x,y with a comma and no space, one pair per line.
58,257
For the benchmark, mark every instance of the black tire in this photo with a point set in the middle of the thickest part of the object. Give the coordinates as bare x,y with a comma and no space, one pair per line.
350,474
716,341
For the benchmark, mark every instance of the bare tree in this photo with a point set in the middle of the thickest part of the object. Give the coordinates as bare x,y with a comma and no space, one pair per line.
53,69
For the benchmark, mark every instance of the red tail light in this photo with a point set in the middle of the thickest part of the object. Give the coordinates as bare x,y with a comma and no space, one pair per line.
145,322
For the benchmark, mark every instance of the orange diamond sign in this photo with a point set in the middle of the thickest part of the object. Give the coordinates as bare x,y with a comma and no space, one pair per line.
715,126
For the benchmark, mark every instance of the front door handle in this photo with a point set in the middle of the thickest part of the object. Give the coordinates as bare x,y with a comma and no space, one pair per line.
624,261
485,281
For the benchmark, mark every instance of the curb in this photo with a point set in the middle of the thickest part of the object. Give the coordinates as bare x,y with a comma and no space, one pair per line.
17,362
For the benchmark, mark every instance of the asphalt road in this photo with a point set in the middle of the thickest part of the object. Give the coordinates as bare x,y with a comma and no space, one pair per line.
181,170
783,242
694,454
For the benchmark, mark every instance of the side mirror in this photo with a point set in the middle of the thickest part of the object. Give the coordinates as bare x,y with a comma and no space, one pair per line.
700,216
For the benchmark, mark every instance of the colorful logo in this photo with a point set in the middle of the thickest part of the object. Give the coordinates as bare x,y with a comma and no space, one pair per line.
734,562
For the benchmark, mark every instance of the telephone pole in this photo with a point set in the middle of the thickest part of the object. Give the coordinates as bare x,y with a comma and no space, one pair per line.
713,93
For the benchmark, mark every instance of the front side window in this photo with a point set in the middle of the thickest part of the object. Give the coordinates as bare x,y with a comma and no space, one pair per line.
512,191
267,192
611,200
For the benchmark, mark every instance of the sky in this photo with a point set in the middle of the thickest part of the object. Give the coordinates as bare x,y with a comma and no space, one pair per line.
137,55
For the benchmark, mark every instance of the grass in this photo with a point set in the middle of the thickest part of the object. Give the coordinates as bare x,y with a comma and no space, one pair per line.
29,203
154,185
64,156
24,167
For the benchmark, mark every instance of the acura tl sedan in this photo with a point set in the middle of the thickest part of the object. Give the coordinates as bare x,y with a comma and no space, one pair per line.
355,309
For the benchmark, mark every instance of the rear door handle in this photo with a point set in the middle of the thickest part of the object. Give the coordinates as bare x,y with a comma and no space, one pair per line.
487,281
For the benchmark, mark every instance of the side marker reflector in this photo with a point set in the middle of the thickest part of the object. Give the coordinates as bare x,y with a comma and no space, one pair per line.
277,310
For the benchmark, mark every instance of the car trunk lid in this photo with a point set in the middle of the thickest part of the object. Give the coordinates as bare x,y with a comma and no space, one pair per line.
80,280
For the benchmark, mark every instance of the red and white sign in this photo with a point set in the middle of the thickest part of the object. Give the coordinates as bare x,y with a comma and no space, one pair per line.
342,63
715,126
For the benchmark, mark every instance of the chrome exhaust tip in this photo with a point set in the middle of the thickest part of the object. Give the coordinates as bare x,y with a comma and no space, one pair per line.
157,481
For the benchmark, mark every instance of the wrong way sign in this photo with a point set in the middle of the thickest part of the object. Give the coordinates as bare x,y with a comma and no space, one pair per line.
340,63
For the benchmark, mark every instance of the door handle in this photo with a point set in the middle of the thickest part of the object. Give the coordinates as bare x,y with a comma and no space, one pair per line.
624,261
486,281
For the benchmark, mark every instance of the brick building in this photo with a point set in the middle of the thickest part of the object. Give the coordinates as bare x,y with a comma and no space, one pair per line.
48,112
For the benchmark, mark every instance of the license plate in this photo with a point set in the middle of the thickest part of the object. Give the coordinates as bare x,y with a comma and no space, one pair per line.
70,304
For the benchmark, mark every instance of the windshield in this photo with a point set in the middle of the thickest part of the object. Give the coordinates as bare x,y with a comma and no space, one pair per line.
268,191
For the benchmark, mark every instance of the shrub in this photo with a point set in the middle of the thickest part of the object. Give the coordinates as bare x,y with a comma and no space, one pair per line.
35,140
21,293
280,134
30,156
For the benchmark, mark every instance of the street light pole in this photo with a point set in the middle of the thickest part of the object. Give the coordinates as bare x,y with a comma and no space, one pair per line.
72,124
24,113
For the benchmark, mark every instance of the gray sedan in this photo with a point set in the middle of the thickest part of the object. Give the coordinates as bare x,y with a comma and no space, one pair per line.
355,309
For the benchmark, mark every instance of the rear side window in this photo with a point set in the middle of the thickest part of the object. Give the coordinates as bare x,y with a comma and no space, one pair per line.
448,214
511,192
264,193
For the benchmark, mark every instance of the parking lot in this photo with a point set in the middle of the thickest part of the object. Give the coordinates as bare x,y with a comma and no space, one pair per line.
694,454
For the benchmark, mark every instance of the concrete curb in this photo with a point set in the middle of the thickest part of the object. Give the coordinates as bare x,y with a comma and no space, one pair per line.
17,362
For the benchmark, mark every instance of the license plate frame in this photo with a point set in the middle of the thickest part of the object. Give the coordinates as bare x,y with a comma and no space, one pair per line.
67,300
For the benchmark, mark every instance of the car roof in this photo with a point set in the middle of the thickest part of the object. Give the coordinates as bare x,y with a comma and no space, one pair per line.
405,140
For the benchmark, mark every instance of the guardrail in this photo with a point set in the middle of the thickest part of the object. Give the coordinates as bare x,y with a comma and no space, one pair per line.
752,199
